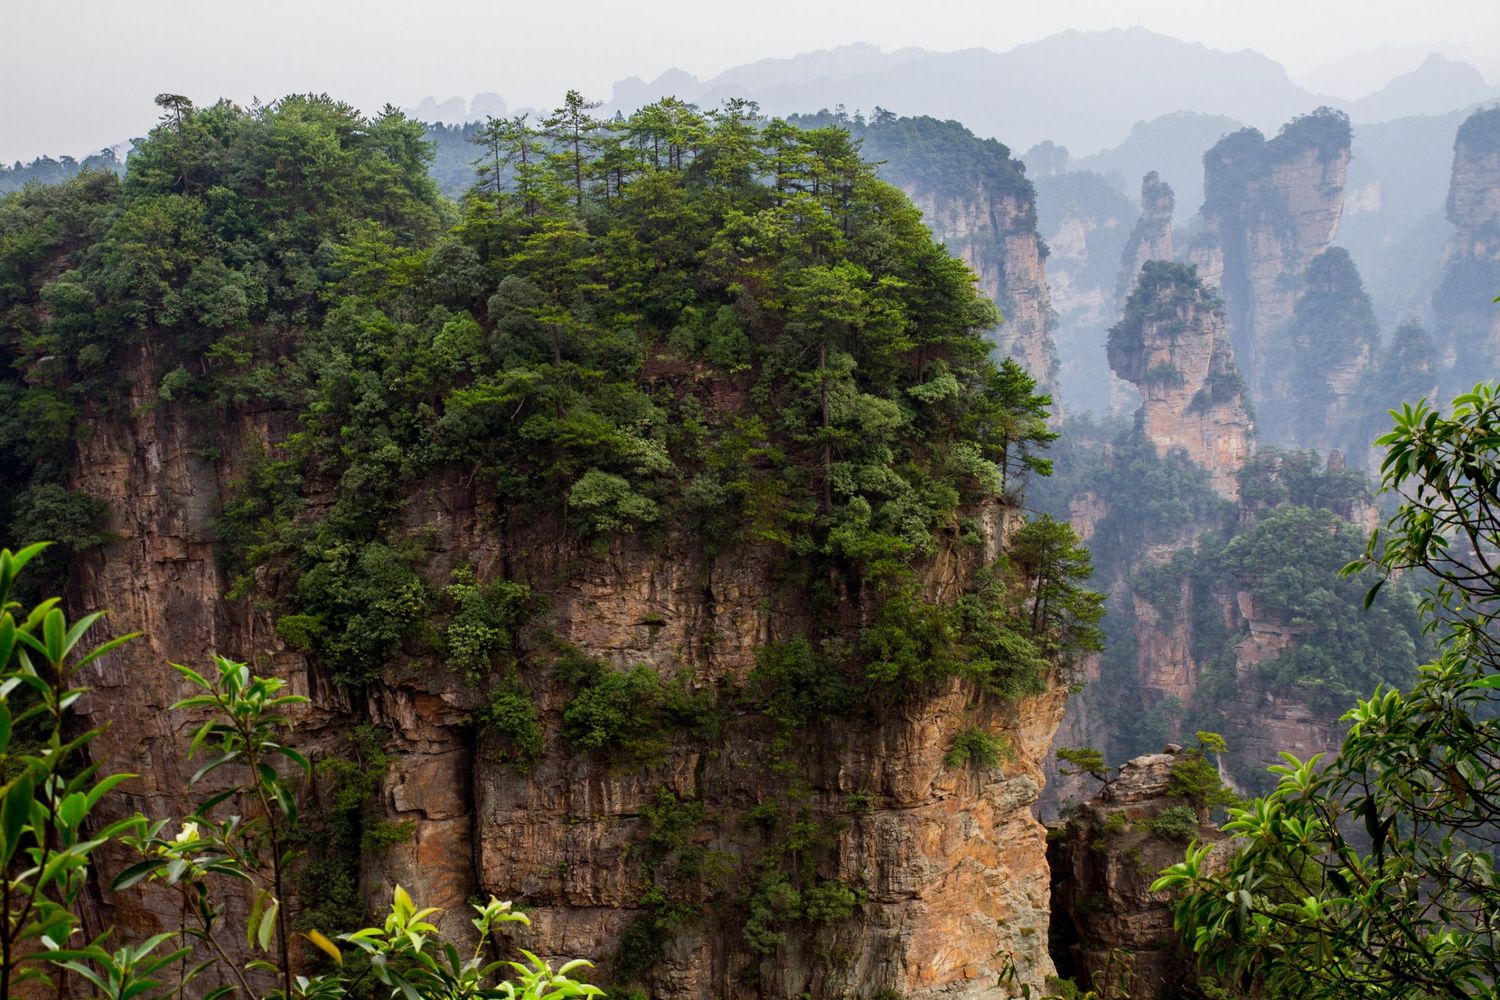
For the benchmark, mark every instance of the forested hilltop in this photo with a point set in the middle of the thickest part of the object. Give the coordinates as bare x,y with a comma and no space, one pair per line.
645,525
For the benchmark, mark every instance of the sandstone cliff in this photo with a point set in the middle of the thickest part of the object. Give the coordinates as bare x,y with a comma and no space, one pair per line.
1151,239
1110,932
1172,345
1467,323
1270,207
946,866
975,197
995,233
1325,351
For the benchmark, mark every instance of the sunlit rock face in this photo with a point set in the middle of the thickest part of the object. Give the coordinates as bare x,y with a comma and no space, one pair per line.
1108,926
1173,347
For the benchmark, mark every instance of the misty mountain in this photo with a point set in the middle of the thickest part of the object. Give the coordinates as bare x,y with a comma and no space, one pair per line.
1172,145
1393,219
1438,85
1081,89
454,110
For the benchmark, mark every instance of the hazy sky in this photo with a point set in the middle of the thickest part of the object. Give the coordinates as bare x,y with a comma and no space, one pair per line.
76,74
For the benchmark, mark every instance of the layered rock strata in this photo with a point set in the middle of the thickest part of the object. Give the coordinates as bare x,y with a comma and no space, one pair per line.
1172,345
1270,207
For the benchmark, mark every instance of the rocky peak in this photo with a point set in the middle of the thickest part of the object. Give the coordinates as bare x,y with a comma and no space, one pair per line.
1271,207
1467,325
1151,239
1171,344
1318,362
1474,195
1108,927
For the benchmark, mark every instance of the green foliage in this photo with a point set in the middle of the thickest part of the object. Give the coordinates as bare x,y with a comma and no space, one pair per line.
1195,778
1244,157
975,746
366,603
1370,872
1289,563
346,827
47,788
1274,478
46,170
630,716
510,714
604,504
676,866
1163,295
797,686
1175,823
1083,760
1480,132
1332,329
777,904
481,636
1048,558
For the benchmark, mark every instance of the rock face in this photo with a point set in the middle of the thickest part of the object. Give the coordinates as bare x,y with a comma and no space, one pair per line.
1151,239
1327,347
995,233
1270,207
947,866
975,197
1172,345
1110,932
1467,323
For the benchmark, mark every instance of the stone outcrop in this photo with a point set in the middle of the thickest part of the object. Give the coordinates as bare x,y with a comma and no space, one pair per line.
1110,932
1270,207
985,212
995,233
1151,239
1322,359
947,866
1171,344
1467,323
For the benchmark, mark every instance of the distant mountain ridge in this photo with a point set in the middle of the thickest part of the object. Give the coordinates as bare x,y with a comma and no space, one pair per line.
1080,89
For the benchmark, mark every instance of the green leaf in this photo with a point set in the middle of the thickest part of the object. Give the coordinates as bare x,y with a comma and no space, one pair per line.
105,786
267,925
71,810
53,632
7,638
252,923
136,872
217,762
15,809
